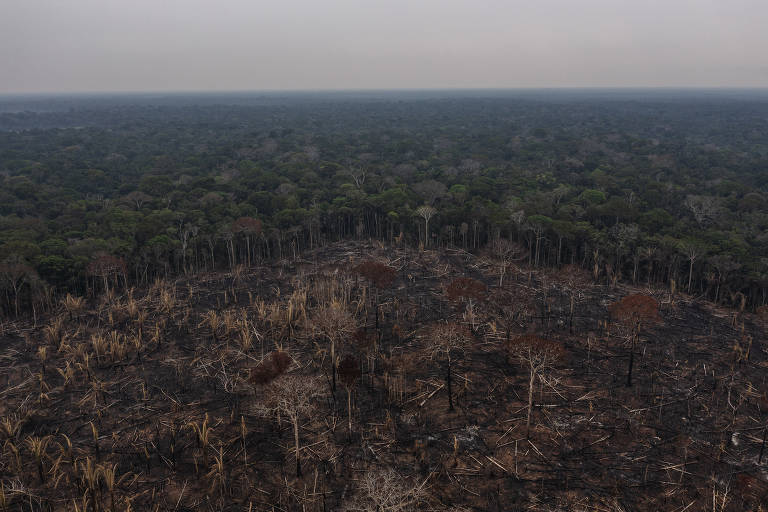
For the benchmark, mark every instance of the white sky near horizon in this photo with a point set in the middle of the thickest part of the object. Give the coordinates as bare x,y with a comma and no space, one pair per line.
223,45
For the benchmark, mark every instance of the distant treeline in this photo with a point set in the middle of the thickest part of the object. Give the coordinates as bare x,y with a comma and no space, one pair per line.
665,191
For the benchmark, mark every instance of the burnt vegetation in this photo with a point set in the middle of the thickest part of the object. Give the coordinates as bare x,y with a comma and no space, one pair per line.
365,377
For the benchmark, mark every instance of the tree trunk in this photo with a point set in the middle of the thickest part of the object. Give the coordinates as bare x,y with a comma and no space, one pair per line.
690,275
349,409
530,404
450,389
296,439
631,362
333,366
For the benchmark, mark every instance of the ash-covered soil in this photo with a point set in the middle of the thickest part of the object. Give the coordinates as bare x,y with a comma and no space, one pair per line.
146,399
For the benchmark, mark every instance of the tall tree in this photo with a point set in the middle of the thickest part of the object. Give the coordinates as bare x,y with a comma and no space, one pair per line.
426,212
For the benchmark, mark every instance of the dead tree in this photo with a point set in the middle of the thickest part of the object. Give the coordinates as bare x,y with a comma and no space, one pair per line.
292,396
507,253
513,308
384,490
334,323
631,314
349,374
538,354
447,341
426,212
574,280
14,275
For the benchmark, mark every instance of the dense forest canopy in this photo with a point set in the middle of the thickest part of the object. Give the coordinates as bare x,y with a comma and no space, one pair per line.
662,187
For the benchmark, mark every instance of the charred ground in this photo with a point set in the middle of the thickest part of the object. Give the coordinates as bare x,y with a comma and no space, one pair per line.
147,400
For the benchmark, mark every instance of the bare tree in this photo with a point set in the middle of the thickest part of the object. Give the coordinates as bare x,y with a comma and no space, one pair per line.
186,232
447,341
507,253
358,175
703,208
334,323
14,274
426,212
538,354
513,307
292,395
692,250
573,280
383,490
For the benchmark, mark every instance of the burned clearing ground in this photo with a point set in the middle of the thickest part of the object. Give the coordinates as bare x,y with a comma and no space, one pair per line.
322,384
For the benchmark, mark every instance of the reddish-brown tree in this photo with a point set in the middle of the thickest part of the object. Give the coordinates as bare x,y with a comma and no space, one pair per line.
380,275
274,365
631,314
466,288
107,267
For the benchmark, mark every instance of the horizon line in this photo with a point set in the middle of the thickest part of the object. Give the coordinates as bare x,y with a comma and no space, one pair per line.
118,92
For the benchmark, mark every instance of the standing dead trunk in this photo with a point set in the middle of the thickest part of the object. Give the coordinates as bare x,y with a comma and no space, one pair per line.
333,366
631,362
296,440
349,409
530,403
450,389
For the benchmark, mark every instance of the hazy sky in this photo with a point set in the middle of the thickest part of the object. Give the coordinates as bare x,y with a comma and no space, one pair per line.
160,45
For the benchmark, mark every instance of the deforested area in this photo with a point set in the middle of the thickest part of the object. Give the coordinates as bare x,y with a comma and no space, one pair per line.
364,376
401,256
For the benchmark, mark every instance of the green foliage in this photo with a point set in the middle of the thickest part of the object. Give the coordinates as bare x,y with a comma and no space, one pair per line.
588,182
